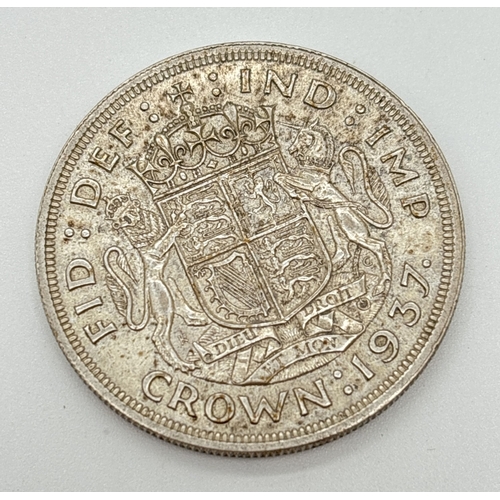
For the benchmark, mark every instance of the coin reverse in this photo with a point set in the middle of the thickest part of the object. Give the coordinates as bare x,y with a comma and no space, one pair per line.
250,249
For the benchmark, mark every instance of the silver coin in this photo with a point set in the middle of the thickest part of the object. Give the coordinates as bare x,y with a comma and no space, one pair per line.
250,249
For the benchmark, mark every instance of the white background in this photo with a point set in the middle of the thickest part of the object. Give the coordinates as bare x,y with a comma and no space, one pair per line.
443,434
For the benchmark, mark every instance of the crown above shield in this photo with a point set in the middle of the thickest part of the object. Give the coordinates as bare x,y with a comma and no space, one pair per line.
202,143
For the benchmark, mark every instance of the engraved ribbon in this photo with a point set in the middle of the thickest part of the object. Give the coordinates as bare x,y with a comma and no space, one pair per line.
235,342
332,299
245,338
323,344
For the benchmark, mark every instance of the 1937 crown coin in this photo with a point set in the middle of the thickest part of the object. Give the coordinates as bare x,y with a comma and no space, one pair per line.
250,248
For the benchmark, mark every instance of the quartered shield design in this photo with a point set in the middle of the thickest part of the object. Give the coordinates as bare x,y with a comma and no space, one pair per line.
251,251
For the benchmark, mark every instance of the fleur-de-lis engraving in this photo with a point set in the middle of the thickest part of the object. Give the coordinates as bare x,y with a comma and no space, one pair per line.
199,142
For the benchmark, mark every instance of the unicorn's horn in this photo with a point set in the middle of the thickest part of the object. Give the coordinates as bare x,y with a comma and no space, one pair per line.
294,127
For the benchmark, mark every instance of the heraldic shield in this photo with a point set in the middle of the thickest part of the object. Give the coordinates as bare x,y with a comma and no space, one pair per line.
251,252
251,246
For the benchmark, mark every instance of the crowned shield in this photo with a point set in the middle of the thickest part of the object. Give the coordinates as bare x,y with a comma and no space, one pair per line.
251,252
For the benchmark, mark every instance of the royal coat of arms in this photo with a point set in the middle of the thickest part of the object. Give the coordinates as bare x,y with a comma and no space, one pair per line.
283,271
